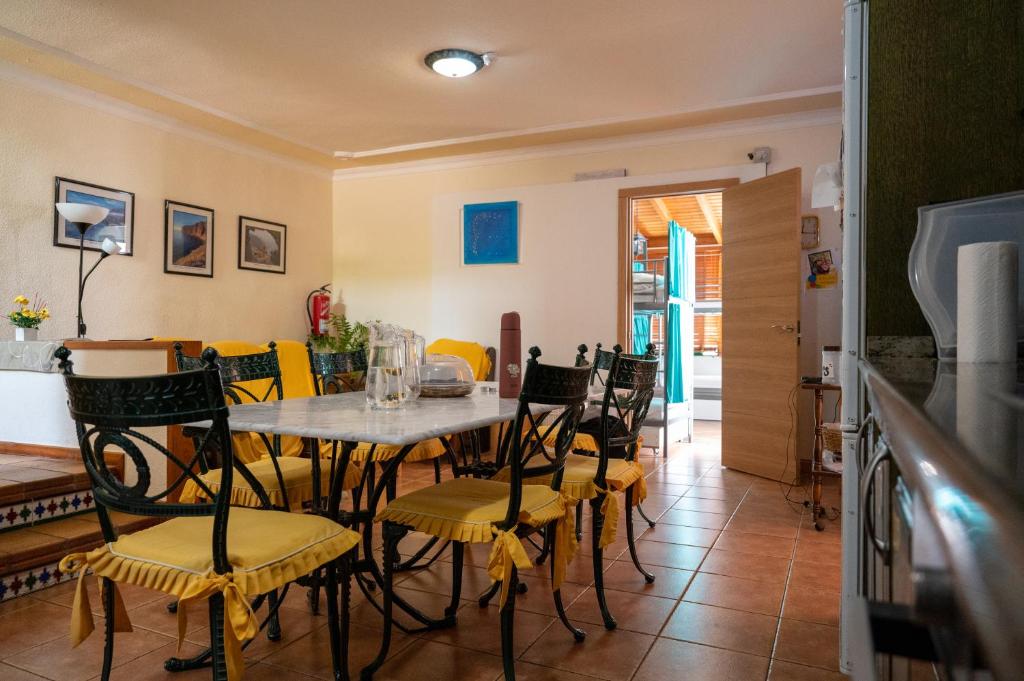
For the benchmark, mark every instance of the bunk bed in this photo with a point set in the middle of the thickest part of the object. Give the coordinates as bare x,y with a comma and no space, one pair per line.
663,291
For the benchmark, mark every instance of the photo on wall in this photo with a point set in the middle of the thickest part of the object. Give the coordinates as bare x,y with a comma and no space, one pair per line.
490,233
262,245
119,224
188,239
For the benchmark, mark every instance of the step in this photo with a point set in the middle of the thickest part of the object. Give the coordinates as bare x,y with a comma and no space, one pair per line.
35,489
29,555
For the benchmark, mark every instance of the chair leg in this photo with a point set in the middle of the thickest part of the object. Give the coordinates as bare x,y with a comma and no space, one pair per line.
338,626
597,524
458,556
577,633
108,630
640,508
630,536
485,597
437,470
579,522
313,594
219,661
393,533
508,612
546,547
274,625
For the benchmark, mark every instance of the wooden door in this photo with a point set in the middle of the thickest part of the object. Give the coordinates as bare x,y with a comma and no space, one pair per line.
760,324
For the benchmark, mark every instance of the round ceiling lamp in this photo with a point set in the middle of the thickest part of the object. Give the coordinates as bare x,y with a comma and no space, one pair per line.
455,63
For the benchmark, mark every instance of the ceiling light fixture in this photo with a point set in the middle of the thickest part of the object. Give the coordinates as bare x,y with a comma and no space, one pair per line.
455,63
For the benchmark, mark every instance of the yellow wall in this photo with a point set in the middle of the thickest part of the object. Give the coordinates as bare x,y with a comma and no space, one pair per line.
47,132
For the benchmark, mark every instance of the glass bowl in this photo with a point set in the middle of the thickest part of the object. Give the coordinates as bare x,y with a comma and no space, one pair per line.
446,376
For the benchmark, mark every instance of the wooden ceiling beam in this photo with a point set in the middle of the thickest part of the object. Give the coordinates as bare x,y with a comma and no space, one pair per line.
659,205
709,214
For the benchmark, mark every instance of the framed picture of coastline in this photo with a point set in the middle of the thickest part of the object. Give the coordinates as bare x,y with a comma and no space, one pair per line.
188,239
262,245
119,224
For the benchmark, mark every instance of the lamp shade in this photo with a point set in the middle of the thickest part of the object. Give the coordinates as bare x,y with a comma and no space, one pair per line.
110,247
82,213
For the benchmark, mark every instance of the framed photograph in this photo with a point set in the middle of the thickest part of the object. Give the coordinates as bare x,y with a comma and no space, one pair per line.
262,245
188,239
119,224
490,233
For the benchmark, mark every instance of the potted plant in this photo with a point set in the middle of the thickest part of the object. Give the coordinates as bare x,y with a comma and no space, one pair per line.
344,336
26,318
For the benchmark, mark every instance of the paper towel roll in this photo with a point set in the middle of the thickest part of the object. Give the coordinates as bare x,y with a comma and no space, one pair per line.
986,302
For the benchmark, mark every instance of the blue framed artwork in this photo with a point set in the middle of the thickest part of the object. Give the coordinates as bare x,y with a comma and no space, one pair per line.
490,233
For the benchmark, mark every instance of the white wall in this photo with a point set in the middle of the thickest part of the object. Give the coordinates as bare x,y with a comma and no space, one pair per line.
565,286
388,263
51,129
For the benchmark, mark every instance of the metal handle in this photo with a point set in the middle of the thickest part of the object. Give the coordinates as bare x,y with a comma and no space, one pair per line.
788,328
867,493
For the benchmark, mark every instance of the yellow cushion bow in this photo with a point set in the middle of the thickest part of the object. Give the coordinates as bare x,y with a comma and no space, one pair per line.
239,620
81,612
565,541
506,551
610,511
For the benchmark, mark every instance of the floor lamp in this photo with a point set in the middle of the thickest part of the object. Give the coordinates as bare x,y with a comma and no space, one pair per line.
83,216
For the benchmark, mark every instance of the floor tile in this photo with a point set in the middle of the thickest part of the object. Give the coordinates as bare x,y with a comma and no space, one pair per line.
815,576
681,534
610,655
9,673
16,635
787,671
310,654
430,661
671,659
739,594
668,582
760,544
706,505
480,629
633,612
811,605
656,553
709,521
746,565
535,672
810,644
821,554
746,632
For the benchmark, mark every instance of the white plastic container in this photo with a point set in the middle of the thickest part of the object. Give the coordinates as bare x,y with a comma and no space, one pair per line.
830,364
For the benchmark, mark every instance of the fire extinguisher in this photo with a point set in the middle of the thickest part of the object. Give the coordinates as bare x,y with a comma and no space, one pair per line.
318,309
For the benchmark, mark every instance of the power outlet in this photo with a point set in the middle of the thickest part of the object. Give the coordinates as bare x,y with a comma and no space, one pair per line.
761,155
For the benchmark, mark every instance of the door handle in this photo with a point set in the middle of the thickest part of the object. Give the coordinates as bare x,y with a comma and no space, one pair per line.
788,328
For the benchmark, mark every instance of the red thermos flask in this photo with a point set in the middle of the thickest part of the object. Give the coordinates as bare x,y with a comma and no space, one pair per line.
510,356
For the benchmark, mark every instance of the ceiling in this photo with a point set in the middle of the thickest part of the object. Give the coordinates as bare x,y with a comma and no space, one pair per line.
345,81
699,214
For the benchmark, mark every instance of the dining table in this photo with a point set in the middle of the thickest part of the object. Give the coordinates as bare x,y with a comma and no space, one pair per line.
347,420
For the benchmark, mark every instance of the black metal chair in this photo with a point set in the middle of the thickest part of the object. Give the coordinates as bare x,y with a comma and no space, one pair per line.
201,551
474,510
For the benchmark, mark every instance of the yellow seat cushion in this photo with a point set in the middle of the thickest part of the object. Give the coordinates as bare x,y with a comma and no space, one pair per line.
266,550
465,509
422,451
298,482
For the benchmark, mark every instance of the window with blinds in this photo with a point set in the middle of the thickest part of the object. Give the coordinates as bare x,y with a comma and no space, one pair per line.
707,327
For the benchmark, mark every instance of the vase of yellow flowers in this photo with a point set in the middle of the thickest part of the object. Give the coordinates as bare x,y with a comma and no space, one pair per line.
26,318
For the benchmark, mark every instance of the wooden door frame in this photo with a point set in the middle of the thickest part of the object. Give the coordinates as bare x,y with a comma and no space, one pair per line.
626,195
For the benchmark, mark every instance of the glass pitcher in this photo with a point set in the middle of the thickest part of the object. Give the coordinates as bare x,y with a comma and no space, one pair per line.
415,357
385,371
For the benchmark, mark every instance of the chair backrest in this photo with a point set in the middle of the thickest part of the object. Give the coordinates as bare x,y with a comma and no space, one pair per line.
481,359
108,413
241,374
332,370
544,385
629,389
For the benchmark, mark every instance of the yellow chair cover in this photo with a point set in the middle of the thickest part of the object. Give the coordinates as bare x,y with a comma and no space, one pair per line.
578,483
474,353
266,550
469,510
298,482
422,451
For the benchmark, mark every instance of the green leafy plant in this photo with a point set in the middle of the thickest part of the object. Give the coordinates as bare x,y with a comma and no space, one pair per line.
343,336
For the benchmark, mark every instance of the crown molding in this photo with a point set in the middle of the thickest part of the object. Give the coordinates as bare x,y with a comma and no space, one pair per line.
24,77
582,125
791,121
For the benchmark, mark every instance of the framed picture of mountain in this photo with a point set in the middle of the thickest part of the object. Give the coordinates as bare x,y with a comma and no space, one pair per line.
188,239
262,245
118,225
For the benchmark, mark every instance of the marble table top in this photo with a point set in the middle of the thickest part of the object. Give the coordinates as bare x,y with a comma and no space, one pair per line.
348,418
28,356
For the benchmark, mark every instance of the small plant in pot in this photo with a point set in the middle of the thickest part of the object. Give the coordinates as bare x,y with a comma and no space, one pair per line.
344,336
26,318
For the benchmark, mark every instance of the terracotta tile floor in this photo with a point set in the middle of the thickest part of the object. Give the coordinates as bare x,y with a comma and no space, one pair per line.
746,590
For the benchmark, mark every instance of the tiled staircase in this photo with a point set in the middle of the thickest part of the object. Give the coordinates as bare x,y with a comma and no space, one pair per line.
46,512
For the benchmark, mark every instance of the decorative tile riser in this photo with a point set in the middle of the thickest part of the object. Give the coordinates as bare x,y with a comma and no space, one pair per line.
40,510
31,580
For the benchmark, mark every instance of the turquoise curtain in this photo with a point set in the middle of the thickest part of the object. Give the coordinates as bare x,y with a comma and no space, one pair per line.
641,333
681,251
676,259
638,266
674,361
